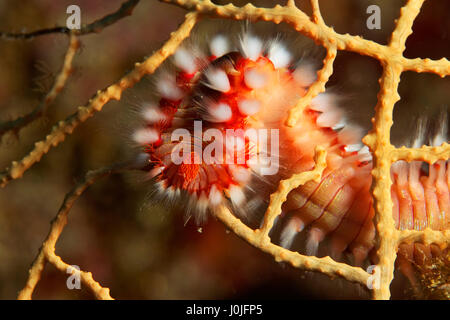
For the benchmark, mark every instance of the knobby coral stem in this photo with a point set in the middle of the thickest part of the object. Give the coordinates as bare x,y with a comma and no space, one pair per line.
324,265
47,250
403,28
114,91
60,81
286,186
425,153
380,143
427,236
317,87
320,32
125,10
260,237
317,16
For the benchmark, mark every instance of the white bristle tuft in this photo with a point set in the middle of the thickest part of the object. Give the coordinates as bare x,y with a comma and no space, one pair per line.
152,114
185,61
217,80
305,74
312,244
323,102
294,226
155,171
236,195
215,197
161,186
254,79
219,46
328,119
350,134
146,135
419,137
177,192
438,140
279,55
168,89
220,112
194,204
441,136
400,169
251,46
365,154
202,204
353,147
249,106
240,174
170,193
340,125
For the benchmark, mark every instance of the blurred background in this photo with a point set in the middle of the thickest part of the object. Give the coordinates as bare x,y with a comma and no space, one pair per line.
141,250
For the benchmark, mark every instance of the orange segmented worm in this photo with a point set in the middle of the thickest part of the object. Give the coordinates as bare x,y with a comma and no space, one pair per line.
217,136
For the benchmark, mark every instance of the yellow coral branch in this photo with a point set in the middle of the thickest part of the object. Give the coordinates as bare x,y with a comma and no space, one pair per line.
440,67
379,142
47,250
425,153
404,24
317,16
317,87
322,34
427,236
113,92
286,186
324,265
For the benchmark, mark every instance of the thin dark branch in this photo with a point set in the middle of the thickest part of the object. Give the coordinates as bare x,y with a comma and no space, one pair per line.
125,10
47,250
60,81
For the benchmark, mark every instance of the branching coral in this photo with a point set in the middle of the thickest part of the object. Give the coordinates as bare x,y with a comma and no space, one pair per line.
378,140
